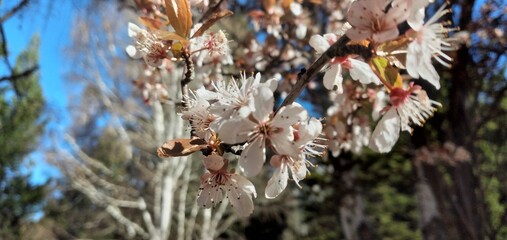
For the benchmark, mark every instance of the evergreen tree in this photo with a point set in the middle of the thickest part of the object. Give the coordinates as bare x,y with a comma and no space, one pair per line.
21,106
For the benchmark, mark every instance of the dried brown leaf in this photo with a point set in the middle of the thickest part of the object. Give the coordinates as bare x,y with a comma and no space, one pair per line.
212,20
151,23
181,147
180,16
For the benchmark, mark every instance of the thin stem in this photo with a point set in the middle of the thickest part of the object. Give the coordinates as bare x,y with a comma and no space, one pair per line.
187,78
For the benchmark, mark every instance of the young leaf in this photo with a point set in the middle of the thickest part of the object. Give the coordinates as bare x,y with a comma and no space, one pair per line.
165,35
180,16
212,20
151,23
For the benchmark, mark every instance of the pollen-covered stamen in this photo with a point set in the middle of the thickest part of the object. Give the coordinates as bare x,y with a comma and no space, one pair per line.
413,105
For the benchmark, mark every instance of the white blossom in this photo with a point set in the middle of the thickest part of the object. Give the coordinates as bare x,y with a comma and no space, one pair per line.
262,128
428,42
333,78
218,181
146,45
306,135
408,107
369,20
197,113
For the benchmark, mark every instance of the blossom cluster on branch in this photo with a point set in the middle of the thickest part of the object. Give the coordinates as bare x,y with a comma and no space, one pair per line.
234,121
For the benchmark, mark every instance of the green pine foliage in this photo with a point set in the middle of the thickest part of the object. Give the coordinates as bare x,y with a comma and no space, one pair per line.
21,107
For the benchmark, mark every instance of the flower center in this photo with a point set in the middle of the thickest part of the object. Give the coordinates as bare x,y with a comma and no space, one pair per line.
398,96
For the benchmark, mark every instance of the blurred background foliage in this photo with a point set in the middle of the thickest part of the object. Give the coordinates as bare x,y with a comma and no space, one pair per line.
421,190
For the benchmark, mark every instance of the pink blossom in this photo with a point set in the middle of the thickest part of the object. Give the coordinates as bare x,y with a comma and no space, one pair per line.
370,20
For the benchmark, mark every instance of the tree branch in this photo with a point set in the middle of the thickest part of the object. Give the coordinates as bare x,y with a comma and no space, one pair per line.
338,49
13,11
17,76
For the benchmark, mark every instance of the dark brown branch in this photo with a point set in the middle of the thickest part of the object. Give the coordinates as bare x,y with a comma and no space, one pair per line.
187,78
17,76
338,49
13,11
4,48
210,11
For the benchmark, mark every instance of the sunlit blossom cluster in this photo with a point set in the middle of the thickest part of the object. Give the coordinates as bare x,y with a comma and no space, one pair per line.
235,118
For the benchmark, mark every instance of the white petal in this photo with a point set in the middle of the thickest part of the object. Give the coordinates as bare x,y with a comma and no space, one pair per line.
264,102
283,143
133,52
386,35
319,43
278,182
362,72
289,115
213,162
245,184
298,169
416,19
333,78
357,35
241,202
204,198
414,53
253,157
310,131
271,84
428,72
386,133
133,30
235,130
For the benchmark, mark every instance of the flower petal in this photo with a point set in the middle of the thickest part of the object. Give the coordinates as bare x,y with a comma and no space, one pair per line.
133,30
253,157
133,52
386,35
278,182
386,133
333,78
241,202
319,43
235,130
264,102
362,72
244,184
358,34
213,162
298,169
289,115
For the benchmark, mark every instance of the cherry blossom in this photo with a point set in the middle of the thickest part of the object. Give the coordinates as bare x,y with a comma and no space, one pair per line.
369,19
333,78
429,42
199,116
262,128
305,137
411,106
415,12
235,97
218,181
213,46
146,45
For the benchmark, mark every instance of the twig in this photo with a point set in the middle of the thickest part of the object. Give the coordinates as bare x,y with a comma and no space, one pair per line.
210,11
13,11
23,74
188,77
338,49
4,49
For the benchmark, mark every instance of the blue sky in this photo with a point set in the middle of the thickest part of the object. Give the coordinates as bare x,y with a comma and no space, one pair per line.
52,21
